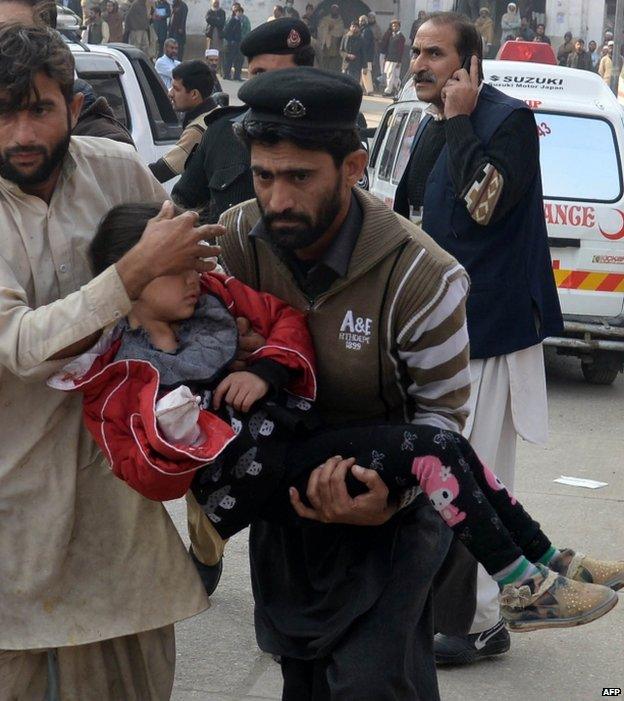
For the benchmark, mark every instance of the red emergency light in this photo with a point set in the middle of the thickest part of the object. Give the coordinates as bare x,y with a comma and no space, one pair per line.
529,51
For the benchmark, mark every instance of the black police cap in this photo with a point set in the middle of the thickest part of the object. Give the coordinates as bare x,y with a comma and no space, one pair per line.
281,36
307,98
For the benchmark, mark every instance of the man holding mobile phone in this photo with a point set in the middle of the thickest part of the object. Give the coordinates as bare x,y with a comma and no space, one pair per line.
473,181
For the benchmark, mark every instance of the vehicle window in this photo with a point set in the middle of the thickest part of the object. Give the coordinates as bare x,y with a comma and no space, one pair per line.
579,158
163,121
379,137
392,143
109,86
406,144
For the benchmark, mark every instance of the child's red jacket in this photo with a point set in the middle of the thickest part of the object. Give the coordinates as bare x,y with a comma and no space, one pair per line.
120,396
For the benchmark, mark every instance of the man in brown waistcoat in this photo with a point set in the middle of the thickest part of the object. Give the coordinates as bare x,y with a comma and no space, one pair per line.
386,310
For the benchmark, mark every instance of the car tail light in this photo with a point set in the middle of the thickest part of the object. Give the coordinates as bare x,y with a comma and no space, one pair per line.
530,51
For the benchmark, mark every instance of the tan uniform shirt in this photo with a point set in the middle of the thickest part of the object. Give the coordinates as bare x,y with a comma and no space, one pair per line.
191,136
84,558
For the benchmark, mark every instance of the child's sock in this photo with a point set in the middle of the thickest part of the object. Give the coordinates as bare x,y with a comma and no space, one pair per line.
517,571
549,556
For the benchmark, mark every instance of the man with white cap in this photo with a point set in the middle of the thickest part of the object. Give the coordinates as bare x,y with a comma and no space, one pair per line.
212,59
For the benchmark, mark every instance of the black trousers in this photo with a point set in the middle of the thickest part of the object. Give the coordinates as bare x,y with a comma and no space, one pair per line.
233,59
387,653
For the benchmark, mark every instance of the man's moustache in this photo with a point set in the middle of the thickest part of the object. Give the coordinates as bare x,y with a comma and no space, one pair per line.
286,219
18,150
424,77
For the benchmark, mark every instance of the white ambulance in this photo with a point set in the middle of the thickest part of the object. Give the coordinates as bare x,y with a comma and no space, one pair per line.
581,130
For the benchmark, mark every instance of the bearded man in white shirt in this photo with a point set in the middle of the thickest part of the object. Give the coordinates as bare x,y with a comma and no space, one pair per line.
93,575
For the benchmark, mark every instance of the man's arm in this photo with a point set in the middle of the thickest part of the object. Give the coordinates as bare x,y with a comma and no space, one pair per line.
31,338
192,189
34,341
434,350
174,161
492,179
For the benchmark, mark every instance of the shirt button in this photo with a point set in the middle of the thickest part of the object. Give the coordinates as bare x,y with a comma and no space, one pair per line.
63,268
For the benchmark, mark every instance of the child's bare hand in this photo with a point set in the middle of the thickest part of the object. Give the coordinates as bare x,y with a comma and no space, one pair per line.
240,390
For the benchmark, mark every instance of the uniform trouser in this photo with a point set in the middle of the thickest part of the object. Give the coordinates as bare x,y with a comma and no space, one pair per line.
207,544
367,78
493,437
387,654
233,59
393,77
137,667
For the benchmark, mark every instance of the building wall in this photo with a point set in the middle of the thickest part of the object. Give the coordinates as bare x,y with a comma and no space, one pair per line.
584,18
259,11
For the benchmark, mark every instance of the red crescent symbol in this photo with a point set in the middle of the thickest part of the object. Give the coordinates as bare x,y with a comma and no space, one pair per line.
617,234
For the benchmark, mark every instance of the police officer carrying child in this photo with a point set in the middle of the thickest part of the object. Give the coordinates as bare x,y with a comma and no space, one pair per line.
348,609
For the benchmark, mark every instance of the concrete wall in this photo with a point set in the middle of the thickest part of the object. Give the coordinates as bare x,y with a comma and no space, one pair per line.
584,18
259,11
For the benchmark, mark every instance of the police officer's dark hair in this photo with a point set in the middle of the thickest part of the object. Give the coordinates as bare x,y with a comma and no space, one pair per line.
304,56
120,230
26,51
337,143
468,38
195,75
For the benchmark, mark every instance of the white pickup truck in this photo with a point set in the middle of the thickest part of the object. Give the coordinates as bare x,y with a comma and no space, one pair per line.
135,93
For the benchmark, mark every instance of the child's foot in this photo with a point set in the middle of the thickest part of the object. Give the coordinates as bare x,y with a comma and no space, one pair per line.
548,600
209,574
609,573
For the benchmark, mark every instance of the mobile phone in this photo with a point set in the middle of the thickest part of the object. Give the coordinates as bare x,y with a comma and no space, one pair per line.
466,66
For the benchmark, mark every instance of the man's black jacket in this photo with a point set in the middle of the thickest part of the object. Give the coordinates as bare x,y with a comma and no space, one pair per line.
217,176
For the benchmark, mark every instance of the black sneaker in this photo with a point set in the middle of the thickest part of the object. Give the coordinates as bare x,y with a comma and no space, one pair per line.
465,649
209,574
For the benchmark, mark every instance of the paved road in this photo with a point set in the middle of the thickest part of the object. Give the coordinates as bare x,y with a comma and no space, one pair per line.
219,661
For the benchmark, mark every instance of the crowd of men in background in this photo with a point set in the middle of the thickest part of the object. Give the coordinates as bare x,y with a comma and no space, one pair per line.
145,24
361,48
523,22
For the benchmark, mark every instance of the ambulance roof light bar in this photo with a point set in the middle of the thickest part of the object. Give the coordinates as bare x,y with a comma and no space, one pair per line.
527,51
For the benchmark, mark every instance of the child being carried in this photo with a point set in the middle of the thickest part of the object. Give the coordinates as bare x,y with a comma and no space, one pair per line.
162,404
